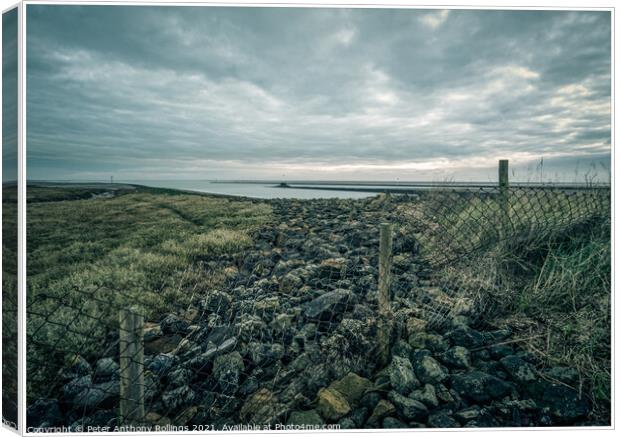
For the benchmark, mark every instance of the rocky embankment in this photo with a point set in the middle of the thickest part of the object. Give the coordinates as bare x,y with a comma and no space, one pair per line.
291,339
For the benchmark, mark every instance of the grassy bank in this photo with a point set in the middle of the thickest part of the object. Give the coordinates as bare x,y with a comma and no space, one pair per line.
540,264
88,256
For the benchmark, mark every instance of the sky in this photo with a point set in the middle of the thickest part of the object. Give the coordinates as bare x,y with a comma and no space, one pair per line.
9,96
324,94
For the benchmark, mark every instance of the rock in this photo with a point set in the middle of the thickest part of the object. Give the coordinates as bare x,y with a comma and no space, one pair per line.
151,332
105,370
408,408
425,340
332,268
185,416
290,282
500,351
381,410
427,396
443,394
479,386
352,387
564,404
359,416
458,357
227,371
467,414
101,396
262,408
44,413
328,304
402,377
179,377
162,345
518,369
466,337
263,354
442,420
173,324
267,306
392,422
310,417
161,364
370,400
332,404
567,375
346,423
75,367
178,398
428,370
75,387
415,325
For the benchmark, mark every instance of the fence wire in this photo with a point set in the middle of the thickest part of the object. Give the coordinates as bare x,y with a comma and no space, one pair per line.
293,314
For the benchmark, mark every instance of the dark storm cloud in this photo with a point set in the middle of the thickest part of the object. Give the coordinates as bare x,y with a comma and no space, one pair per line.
254,92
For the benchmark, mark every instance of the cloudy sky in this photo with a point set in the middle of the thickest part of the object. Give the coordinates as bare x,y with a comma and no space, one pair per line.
251,93
9,96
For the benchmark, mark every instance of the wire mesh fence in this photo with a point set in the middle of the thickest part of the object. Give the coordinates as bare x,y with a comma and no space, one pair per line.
296,319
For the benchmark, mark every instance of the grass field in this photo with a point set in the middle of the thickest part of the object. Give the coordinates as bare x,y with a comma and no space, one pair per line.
140,247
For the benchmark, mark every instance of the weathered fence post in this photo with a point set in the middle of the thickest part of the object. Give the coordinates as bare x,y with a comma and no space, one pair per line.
131,366
385,269
503,192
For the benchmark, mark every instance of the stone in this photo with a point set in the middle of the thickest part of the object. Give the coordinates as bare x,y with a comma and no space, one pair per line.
151,331
408,408
309,417
567,375
402,376
479,386
352,387
564,404
332,404
262,408
428,370
290,282
105,370
443,394
393,423
346,423
500,351
466,337
75,387
100,396
427,396
518,369
467,414
415,325
217,302
178,398
458,357
263,354
442,420
179,377
161,364
75,367
381,410
44,413
328,304
173,324
227,371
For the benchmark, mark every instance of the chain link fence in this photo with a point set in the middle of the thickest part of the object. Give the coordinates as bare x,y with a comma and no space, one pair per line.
293,315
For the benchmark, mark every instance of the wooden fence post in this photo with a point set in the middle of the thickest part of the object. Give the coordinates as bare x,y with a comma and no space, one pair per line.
131,366
503,192
385,273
